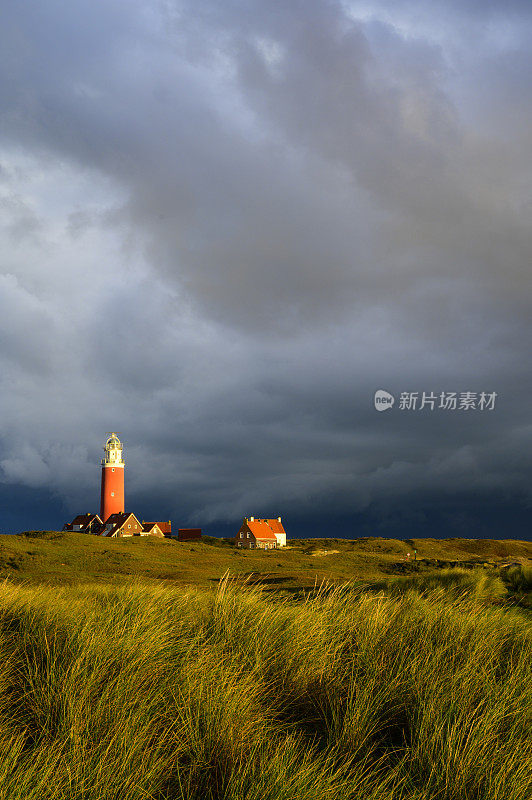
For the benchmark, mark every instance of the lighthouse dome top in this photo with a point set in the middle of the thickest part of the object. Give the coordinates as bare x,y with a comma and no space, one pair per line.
113,451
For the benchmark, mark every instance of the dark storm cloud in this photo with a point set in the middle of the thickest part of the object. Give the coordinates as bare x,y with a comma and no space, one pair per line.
226,224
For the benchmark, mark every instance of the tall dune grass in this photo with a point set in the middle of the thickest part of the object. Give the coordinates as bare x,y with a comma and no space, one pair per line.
150,692
452,584
519,579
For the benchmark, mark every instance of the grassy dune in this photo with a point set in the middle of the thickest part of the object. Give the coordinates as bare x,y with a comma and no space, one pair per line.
74,558
420,690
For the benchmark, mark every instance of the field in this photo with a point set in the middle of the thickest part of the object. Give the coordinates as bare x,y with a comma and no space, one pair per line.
72,558
135,669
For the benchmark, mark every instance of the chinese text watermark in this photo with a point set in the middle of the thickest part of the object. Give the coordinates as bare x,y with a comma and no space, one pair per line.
433,401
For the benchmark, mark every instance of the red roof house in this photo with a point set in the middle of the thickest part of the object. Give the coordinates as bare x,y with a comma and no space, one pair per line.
265,534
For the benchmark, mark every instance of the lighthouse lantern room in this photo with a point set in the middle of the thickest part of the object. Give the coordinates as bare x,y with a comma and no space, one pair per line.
112,499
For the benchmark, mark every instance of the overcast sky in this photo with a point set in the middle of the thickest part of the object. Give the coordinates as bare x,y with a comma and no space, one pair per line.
225,224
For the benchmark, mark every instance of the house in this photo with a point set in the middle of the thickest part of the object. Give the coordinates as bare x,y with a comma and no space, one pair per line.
152,529
264,534
189,534
84,523
124,524
277,527
121,524
165,527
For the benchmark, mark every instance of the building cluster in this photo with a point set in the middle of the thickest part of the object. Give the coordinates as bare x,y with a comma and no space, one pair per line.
119,524
114,521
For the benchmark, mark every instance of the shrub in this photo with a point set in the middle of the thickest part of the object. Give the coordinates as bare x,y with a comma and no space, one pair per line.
43,534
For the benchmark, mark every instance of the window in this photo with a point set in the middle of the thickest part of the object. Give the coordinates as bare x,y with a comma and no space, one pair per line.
129,526
112,469
112,494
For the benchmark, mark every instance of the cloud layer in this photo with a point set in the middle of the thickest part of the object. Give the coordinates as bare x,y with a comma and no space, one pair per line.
225,225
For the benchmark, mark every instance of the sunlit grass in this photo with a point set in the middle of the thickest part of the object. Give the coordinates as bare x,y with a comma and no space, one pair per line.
418,691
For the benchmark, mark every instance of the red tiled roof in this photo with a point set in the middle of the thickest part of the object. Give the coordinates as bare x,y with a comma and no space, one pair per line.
275,525
260,529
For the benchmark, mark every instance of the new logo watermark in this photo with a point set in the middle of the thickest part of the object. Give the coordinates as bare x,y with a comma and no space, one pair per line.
383,400
432,401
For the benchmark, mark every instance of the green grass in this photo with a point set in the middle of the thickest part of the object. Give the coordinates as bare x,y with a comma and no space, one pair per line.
419,690
451,584
518,580
56,558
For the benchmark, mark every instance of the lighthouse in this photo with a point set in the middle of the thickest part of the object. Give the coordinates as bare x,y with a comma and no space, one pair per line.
112,501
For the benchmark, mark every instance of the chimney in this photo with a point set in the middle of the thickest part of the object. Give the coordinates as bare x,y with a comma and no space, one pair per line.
252,519
278,519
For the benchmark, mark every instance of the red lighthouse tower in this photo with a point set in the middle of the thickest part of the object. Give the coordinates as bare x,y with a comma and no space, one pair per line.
112,479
